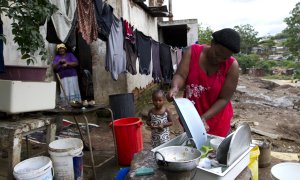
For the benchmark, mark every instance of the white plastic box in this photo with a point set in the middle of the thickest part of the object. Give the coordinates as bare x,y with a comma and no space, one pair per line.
230,173
20,96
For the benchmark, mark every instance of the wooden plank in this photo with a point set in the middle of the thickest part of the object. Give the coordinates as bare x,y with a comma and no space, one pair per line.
267,134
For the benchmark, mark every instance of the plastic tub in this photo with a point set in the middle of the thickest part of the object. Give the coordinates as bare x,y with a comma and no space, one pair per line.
35,168
129,140
67,155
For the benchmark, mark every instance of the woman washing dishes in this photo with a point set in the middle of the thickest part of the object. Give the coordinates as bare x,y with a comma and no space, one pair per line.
65,64
209,75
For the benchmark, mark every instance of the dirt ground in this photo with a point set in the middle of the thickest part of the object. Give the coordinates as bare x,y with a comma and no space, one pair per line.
264,105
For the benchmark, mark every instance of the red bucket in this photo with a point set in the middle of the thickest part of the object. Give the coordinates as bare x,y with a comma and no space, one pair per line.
129,140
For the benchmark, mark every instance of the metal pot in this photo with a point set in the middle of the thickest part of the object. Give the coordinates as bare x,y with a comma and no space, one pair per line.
177,158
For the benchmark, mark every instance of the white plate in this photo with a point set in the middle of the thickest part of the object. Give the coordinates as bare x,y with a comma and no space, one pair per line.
191,121
286,171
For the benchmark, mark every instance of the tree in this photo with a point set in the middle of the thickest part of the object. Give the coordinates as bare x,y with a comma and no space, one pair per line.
204,34
248,37
27,15
293,31
267,45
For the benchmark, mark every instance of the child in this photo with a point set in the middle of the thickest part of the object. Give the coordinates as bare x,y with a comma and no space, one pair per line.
159,120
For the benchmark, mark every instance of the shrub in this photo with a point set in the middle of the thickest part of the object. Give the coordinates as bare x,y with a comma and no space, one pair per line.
247,61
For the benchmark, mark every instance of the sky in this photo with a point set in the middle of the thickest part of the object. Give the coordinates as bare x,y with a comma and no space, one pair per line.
266,16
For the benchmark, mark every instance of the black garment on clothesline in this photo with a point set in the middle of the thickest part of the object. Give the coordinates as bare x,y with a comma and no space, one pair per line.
131,56
98,10
84,55
51,33
130,50
53,38
144,52
105,21
166,62
156,72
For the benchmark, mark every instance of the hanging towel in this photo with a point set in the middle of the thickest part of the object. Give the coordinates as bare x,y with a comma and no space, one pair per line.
115,55
2,69
144,52
87,24
63,18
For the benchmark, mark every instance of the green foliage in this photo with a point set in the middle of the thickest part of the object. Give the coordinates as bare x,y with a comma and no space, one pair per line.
263,65
281,35
297,75
288,64
248,37
292,31
253,60
204,34
278,76
27,17
247,61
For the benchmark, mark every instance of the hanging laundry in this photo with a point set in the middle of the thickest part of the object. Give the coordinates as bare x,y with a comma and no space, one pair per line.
87,24
51,36
166,62
63,19
128,32
2,68
130,47
174,58
144,52
71,41
105,21
115,57
179,55
98,11
156,72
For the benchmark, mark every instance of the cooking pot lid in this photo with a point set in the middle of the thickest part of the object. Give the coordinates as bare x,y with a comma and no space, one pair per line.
191,121
234,145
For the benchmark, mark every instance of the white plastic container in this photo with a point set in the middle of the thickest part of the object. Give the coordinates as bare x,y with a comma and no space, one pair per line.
66,155
36,168
22,96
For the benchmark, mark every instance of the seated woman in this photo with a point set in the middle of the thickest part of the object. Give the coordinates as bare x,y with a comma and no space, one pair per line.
64,64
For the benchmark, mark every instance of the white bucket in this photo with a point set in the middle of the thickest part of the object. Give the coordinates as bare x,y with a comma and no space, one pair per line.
66,155
286,171
36,168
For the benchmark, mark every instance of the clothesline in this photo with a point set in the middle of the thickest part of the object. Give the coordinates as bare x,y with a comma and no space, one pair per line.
125,44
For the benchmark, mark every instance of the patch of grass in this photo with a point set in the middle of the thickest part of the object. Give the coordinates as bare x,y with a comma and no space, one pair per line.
279,77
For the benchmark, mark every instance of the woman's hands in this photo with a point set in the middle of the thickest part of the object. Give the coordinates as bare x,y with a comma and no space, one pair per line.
63,63
172,94
205,124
